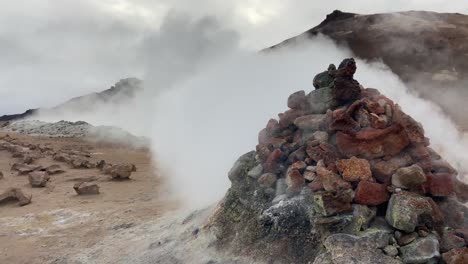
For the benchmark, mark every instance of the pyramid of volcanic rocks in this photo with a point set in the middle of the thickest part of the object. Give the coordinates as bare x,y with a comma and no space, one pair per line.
344,176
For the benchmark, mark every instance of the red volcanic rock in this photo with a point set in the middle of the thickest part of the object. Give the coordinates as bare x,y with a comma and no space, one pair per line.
374,107
309,122
271,164
439,184
298,100
287,118
342,121
378,122
383,170
354,169
453,212
369,193
373,143
325,152
456,256
413,129
316,185
450,240
294,180
277,142
267,180
299,165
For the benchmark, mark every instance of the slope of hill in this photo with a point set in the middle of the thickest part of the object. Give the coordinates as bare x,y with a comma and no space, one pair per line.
124,90
427,50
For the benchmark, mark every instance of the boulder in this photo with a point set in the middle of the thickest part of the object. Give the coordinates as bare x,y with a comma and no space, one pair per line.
405,209
409,177
86,188
15,194
421,250
39,178
354,169
370,193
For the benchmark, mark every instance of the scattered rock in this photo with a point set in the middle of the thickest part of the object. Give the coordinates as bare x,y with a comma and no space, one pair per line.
15,194
85,188
122,171
24,168
54,169
38,178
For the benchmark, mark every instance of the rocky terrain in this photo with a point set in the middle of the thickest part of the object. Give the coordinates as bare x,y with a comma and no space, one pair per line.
344,176
427,50
79,129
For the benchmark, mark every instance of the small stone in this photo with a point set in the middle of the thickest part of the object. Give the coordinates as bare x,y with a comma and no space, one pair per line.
409,177
383,170
86,188
309,175
354,169
391,250
298,101
38,178
271,164
267,180
256,171
369,193
299,165
421,250
280,187
321,136
362,216
331,181
404,210
423,233
406,239
294,180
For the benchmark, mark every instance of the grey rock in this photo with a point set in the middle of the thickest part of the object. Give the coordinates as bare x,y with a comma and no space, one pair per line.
349,249
267,180
391,250
38,178
321,136
241,167
409,177
281,187
309,122
86,188
362,216
321,100
408,238
256,171
420,251
404,210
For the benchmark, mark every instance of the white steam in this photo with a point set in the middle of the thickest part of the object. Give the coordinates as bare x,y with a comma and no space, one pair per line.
203,124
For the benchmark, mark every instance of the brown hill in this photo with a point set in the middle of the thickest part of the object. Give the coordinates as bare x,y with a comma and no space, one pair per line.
427,50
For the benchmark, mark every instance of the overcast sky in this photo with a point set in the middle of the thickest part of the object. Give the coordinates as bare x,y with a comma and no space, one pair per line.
51,50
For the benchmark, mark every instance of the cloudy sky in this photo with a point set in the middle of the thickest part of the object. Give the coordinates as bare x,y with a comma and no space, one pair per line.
52,50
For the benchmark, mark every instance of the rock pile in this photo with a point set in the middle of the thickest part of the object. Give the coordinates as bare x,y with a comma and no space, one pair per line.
344,176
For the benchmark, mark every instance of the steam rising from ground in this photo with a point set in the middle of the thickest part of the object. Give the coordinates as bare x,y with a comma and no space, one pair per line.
204,123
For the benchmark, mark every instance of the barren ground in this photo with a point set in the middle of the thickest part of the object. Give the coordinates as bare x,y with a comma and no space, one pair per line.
59,225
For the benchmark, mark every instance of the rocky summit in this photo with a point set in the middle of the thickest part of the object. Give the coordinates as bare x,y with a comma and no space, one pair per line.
343,176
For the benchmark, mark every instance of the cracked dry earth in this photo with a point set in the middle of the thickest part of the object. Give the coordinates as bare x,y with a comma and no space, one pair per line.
59,226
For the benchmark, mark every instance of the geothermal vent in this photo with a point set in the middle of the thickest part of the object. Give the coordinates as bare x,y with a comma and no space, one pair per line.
344,176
